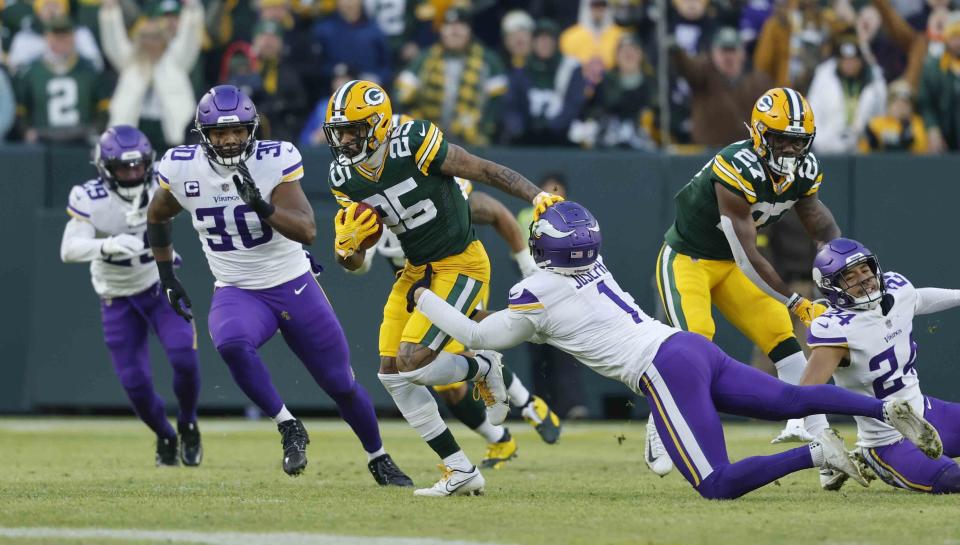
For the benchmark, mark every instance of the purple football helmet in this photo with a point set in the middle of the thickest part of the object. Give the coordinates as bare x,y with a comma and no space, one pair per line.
124,159
225,107
836,258
566,238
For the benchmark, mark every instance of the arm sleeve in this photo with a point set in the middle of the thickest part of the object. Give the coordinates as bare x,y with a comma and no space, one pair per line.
185,46
498,331
113,36
79,243
930,300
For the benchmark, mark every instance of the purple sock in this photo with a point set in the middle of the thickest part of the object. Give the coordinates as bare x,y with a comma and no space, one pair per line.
186,383
149,407
734,480
251,375
356,409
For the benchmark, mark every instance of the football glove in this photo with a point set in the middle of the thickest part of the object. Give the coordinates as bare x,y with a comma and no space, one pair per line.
123,245
542,201
351,231
805,309
249,192
174,290
422,283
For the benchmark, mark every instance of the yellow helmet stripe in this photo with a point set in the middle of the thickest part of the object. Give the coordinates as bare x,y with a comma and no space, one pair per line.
796,107
340,99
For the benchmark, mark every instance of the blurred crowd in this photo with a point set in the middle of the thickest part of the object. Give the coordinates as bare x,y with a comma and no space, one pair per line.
879,74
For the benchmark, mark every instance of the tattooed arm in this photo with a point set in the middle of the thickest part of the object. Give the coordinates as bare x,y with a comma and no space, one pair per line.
459,162
817,220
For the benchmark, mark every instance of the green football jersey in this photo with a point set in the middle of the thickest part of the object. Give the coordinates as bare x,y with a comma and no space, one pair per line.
52,100
737,168
427,210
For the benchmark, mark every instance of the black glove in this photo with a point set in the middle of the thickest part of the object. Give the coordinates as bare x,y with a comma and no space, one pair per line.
174,291
249,193
422,283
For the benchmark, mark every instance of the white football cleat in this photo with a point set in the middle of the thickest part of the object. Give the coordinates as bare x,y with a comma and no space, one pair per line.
492,389
835,455
914,428
654,453
793,432
831,479
455,483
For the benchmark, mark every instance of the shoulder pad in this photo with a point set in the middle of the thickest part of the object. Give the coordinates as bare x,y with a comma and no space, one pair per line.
521,299
740,169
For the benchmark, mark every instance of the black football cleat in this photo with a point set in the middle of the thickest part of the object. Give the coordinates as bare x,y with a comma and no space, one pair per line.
191,449
386,473
167,452
294,440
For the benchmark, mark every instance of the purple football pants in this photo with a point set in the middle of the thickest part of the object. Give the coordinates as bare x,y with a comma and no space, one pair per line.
242,320
691,380
902,465
126,325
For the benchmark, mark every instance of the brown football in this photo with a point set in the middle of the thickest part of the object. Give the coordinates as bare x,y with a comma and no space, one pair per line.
371,240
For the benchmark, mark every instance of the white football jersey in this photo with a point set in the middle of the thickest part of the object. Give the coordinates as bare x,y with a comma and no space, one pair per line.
111,276
883,354
590,317
241,250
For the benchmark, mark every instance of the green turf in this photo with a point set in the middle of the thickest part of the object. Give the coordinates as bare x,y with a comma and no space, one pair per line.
591,488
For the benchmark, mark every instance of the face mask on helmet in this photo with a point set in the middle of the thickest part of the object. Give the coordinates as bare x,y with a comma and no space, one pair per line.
351,141
128,174
785,151
858,285
228,143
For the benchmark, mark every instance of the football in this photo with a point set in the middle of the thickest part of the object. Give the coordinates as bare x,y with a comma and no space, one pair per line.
371,240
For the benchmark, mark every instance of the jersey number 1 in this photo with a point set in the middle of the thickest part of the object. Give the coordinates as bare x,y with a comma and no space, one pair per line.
634,313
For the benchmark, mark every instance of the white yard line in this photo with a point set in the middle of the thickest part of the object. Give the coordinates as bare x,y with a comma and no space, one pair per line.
222,538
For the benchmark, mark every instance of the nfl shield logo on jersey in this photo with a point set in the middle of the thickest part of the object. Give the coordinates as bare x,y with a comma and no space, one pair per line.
224,187
191,188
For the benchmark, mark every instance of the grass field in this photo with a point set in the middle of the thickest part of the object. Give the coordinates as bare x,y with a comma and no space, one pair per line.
68,475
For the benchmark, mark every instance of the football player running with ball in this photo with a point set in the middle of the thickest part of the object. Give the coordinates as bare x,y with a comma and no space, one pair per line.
108,230
246,204
865,341
710,254
501,445
406,173
575,304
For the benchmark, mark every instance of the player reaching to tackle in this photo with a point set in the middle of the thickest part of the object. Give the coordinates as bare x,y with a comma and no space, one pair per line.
246,204
125,278
406,173
575,304
707,260
865,341
501,445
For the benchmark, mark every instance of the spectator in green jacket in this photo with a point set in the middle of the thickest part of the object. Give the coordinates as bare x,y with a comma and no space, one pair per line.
939,100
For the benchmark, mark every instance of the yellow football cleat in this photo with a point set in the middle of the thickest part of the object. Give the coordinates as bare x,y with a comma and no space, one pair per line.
499,453
538,414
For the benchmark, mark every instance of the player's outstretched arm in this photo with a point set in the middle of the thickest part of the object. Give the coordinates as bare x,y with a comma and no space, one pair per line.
292,214
822,363
817,220
163,207
498,331
931,300
486,210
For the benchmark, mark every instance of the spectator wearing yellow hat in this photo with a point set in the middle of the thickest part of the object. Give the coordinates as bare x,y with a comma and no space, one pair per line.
899,129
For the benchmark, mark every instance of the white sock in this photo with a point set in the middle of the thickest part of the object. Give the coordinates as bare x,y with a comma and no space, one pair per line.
458,460
790,369
489,432
416,404
446,368
283,415
816,453
374,455
518,393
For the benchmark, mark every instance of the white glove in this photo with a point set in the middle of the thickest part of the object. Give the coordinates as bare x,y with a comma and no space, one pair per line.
123,245
526,263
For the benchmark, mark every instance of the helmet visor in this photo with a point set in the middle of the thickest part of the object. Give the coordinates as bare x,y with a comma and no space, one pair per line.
783,144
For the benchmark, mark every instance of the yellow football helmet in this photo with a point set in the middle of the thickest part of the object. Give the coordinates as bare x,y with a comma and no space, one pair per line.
782,129
358,121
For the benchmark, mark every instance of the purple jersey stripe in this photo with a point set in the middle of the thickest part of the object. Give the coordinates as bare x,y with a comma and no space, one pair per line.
525,298
77,212
164,178
290,169
813,339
